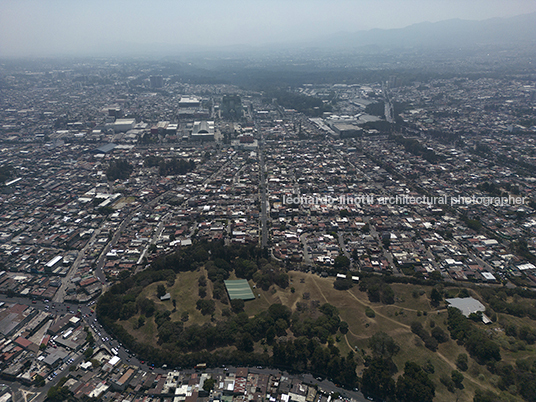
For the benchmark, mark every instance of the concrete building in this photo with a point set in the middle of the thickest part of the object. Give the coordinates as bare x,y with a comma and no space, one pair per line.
123,125
157,81
189,102
203,131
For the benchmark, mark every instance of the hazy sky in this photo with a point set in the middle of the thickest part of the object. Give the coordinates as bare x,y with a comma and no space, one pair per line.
54,27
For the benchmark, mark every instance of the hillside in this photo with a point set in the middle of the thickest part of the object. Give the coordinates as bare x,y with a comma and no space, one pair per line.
306,324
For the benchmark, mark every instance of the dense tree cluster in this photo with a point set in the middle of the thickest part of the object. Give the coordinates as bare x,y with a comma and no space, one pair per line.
206,306
486,396
328,323
170,167
430,341
343,284
308,105
182,345
304,354
522,377
118,169
377,290
377,380
6,172
341,262
414,385
376,109
414,147
477,342
497,300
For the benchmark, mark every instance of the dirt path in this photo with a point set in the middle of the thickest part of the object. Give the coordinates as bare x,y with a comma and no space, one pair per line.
320,290
411,309
377,313
345,336
439,354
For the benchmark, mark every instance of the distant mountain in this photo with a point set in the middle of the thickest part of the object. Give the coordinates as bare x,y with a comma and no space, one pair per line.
449,33
454,33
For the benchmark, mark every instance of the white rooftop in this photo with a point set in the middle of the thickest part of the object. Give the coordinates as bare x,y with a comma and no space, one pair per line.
467,305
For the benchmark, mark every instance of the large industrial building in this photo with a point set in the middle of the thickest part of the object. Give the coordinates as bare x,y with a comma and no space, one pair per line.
189,102
203,131
123,125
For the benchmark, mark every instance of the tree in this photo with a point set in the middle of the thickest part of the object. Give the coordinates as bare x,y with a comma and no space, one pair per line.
447,382
245,343
486,396
277,311
141,321
342,284
88,353
457,378
387,295
58,393
383,346
429,367
439,335
370,312
237,305
160,290
270,335
39,381
461,362
414,385
207,307
208,385
463,293
435,276
119,169
341,263
435,297
377,380
281,327
128,310
146,306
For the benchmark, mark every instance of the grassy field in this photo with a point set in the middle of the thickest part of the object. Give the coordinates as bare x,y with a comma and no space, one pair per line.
393,319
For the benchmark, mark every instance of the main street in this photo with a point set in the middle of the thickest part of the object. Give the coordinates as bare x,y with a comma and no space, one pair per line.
262,189
60,294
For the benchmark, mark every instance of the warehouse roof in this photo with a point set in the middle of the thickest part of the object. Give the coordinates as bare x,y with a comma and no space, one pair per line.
239,289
